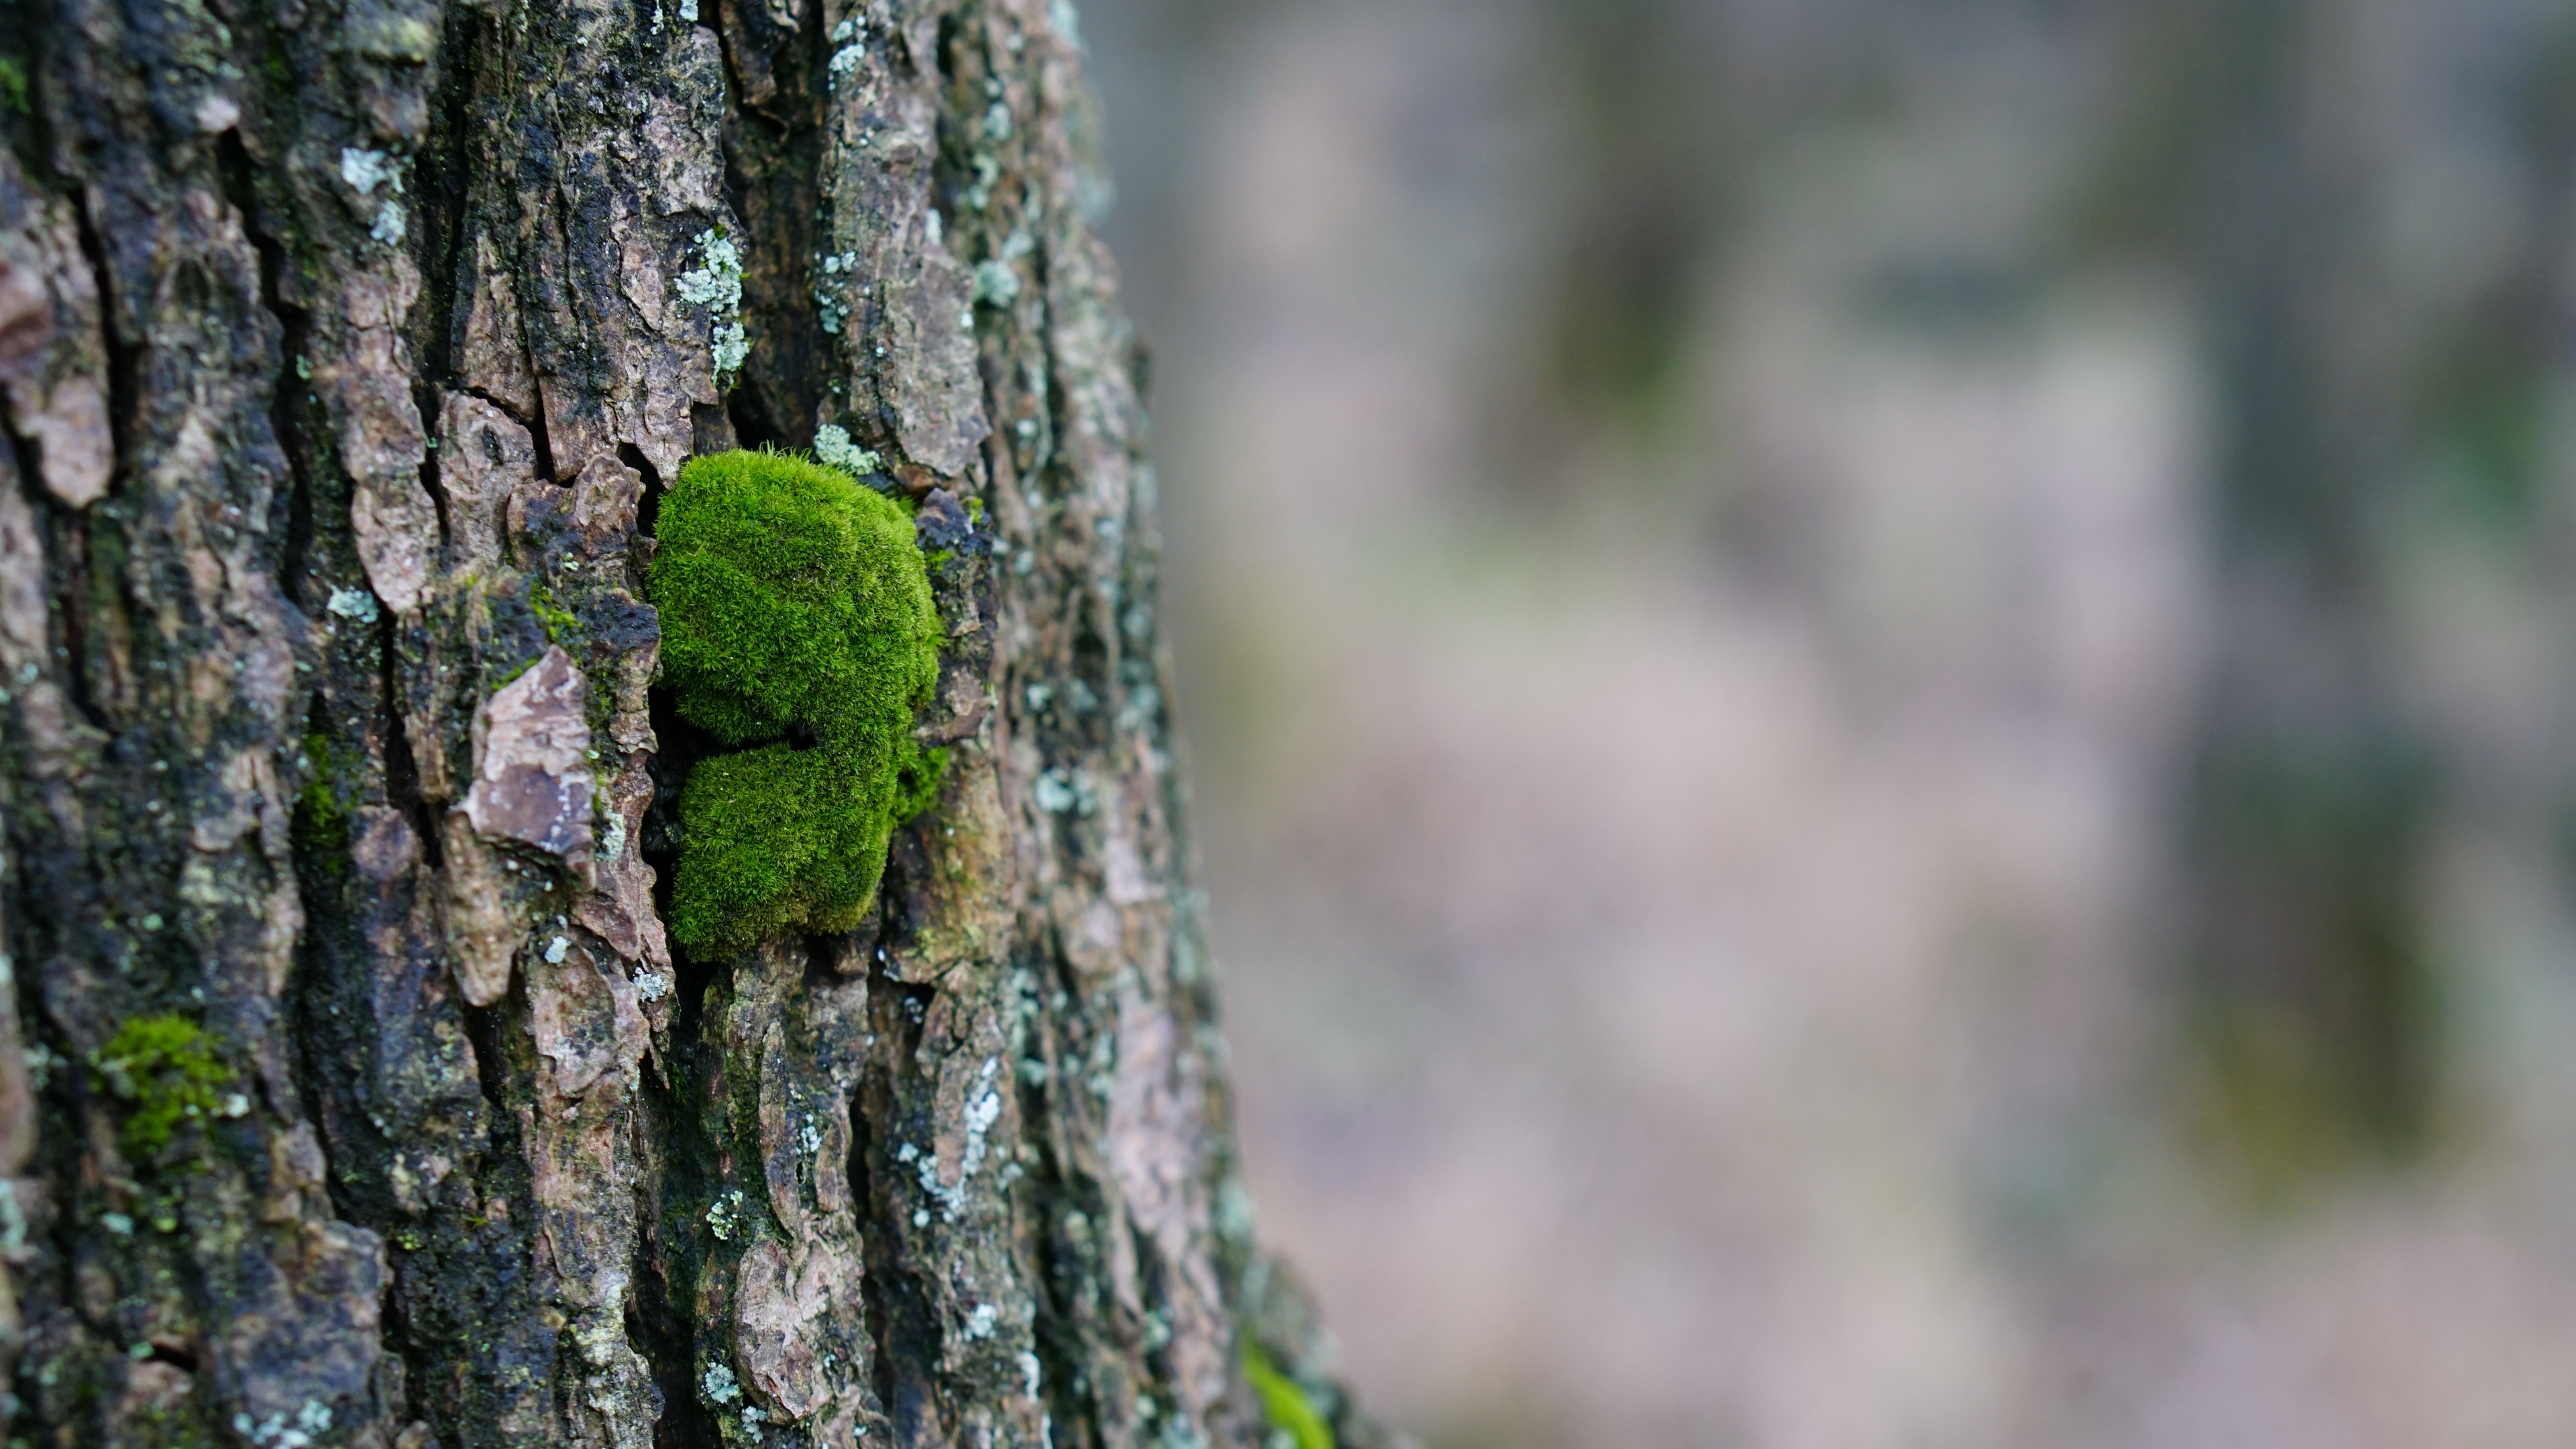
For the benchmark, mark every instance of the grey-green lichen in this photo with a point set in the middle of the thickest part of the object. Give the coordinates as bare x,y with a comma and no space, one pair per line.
363,171
715,284
831,299
833,448
797,622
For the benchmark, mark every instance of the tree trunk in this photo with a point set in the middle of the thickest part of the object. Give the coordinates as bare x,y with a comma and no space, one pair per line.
351,1092
2311,797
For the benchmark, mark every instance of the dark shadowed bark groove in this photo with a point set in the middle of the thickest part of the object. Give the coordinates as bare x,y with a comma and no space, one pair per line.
346,347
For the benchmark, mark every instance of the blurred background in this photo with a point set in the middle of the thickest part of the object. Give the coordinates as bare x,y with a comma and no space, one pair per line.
1881,700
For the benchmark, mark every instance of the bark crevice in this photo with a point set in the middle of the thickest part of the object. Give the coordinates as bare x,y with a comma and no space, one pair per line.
290,392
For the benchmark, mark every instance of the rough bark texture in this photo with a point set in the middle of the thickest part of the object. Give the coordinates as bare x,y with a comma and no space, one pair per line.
346,348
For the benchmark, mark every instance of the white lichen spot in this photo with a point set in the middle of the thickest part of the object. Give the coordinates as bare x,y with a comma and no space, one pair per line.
833,272
689,11
555,950
236,1104
728,345
981,1322
1055,792
353,604
987,171
833,448
723,1217
311,1421
117,1223
719,1384
1029,1370
1144,703
1067,24
1061,790
715,284
612,836
846,35
995,283
366,170
981,1114
997,122
651,985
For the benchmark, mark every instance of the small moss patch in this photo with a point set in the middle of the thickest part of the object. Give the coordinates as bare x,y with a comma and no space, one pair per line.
167,1068
797,623
558,622
1285,1404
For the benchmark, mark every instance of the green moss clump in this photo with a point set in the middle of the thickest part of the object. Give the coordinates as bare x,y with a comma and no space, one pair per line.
797,622
1285,1404
166,1066
321,818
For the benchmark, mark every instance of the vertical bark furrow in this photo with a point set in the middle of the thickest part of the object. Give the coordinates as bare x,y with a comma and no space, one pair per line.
290,523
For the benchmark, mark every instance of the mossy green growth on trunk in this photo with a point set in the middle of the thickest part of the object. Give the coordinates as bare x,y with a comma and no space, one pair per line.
166,1069
1285,1404
796,622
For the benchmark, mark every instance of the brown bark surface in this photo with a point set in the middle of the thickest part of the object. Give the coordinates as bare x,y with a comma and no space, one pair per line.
347,347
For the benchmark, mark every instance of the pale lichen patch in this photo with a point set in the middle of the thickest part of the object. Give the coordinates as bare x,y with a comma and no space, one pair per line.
715,284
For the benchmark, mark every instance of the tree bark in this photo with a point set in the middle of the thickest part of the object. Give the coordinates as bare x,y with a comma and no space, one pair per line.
351,1092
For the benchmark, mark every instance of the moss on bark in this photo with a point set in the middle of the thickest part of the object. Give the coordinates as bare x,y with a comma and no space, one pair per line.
796,618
